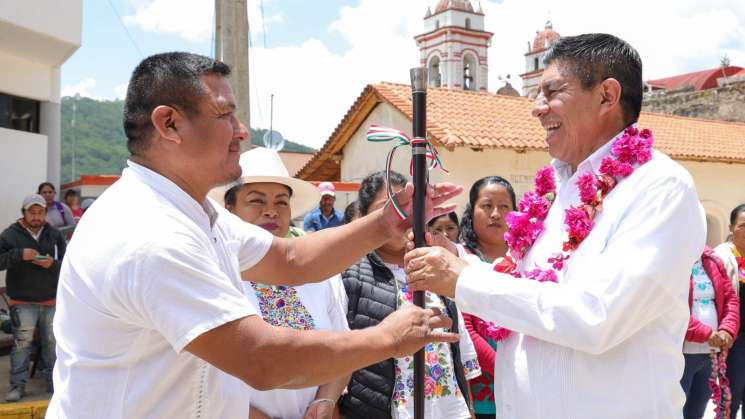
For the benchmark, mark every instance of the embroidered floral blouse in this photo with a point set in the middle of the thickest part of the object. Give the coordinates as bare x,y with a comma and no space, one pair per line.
443,398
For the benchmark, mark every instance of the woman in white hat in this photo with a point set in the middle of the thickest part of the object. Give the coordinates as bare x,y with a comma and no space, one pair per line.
267,196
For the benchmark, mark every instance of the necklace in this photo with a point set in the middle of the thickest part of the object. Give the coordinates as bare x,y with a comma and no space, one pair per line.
631,149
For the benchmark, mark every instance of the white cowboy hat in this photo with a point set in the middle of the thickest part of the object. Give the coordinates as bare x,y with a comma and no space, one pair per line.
263,165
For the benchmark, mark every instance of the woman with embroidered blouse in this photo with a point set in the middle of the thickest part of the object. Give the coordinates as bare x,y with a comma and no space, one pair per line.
482,231
267,196
375,287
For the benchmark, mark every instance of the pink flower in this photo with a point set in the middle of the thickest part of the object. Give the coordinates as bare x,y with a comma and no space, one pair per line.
579,225
588,189
535,205
608,166
491,331
429,385
606,183
431,358
542,275
625,148
522,233
545,181
557,261
624,169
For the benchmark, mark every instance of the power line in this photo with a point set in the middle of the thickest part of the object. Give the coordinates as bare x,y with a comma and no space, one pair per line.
129,35
263,24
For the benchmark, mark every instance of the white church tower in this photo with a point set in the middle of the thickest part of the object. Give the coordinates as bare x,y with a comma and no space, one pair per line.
454,46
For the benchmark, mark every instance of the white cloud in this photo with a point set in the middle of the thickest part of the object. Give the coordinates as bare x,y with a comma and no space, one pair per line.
120,90
83,88
314,87
192,20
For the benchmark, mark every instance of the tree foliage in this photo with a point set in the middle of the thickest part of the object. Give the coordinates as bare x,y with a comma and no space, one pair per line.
100,145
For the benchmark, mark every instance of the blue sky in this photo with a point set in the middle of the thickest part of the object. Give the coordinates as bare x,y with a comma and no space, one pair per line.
112,48
320,54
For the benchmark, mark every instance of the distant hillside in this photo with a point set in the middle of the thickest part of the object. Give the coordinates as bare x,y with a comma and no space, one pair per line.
100,145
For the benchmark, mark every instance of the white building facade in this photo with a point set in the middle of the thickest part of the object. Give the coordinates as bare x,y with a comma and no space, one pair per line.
37,38
454,46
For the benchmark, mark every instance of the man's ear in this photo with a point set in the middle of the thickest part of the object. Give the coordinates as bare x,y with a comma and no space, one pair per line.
610,94
166,120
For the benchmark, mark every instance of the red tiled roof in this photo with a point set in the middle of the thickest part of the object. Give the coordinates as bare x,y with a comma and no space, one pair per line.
699,80
459,118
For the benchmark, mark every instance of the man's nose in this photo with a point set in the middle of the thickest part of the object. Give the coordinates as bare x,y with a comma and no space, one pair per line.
241,133
540,106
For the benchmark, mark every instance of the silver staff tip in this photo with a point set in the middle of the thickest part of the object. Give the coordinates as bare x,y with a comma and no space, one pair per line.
418,79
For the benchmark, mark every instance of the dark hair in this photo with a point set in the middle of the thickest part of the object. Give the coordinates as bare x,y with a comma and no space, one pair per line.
350,212
594,57
43,184
452,215
71,192
231,195
735,212
371,185
172,79
467,232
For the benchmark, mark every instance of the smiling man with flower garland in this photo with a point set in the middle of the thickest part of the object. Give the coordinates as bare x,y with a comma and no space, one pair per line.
595,287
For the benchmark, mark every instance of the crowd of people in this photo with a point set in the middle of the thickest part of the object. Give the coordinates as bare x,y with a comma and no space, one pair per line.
600,305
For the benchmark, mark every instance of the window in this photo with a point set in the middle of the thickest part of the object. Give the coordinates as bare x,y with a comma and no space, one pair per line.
535,63
19,113
437,24
435,77
469,72
468,23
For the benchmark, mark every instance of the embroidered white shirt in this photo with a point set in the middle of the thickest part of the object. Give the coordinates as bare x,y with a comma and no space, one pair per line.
148,270
605,342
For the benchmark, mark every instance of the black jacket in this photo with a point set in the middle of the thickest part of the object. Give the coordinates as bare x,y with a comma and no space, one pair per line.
26,281
372,294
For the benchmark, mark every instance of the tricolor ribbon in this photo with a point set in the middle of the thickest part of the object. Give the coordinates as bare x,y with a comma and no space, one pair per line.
380,134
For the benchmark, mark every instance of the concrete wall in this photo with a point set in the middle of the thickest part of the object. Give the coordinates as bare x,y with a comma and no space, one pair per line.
719,187
718,184
725,103
23,169
25,78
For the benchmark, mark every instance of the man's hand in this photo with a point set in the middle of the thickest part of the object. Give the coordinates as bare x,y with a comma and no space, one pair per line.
434,206
44,263
29,254
320,410
434,269
412,327
432,239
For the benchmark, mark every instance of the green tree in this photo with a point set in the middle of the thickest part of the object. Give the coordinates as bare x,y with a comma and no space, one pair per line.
98,135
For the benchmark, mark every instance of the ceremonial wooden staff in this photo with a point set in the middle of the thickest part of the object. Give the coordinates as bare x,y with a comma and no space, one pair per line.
419,174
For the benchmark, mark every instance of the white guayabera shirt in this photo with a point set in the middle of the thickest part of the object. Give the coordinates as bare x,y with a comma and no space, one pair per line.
149,270
605,342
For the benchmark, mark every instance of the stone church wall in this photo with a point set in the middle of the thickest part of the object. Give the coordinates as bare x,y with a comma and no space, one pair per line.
725,103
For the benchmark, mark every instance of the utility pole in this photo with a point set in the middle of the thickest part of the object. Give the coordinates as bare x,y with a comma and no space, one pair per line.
231,47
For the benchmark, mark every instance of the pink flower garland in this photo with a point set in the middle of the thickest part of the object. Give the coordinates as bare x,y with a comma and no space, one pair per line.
633,147
719,385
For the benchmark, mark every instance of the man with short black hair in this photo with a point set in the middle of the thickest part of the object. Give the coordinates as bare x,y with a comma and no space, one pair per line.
31,251
595,287
151,318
